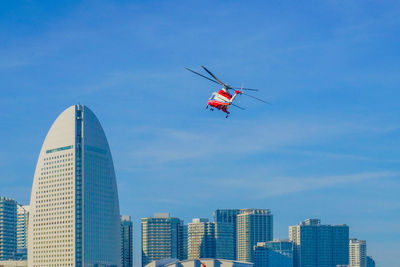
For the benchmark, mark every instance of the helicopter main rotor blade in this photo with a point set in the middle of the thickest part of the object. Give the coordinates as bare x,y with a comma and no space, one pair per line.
257,98
215,77
202,75
237,106
249,89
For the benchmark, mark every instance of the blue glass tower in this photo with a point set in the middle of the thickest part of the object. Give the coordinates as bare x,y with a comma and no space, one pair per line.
8,228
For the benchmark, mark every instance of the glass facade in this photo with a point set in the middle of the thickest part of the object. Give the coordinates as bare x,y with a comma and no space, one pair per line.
126,242
22,232
8,228
210,240
74,209
253,226
317,245
273,253
161,238
228,216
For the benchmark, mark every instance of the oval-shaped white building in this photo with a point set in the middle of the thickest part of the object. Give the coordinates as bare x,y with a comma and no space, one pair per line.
74,208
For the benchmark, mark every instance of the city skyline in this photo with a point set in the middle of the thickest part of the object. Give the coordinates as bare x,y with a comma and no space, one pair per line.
326,147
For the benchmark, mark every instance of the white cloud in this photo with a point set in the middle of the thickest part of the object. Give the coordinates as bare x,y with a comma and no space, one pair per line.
237,140
263,187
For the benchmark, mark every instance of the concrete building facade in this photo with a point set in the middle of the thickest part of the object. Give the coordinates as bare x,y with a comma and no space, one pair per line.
161,238
74,217
210,240
253,226
357,253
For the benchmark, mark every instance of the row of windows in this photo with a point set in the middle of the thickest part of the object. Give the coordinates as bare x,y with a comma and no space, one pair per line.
53,265
50,240
55,171
58,157
53,223
58,165
40,230
44,196
64,186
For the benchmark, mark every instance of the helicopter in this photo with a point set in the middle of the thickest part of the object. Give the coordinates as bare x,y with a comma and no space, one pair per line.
223,98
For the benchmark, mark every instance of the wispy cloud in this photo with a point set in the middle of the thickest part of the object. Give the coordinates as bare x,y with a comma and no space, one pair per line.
221,139
276,186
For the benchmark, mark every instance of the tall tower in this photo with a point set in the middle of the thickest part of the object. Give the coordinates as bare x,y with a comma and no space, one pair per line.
126,241
74,210
253,226
8,228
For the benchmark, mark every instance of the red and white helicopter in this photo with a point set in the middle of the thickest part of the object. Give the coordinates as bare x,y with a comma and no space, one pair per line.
223,99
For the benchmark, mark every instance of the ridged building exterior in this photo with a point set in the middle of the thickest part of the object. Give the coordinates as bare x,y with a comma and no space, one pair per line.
162,238
319,245
8,228
126,241
74,217
253,226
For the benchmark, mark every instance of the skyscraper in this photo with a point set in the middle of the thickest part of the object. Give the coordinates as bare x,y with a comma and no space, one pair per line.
318,245
8,228
253,226
228,216
22,231
210,240
126,241
161,238
357,253
74,215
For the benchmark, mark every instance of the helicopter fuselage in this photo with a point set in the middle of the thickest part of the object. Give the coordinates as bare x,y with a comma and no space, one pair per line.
222,99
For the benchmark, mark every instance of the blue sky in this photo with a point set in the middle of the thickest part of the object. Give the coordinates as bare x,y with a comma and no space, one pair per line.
327,147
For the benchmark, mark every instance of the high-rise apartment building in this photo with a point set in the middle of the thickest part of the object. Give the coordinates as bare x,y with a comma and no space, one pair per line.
8,228
253,226
357,253
22,232
126,241
210,240
161,238
201,239
318,245
228,216
74,217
